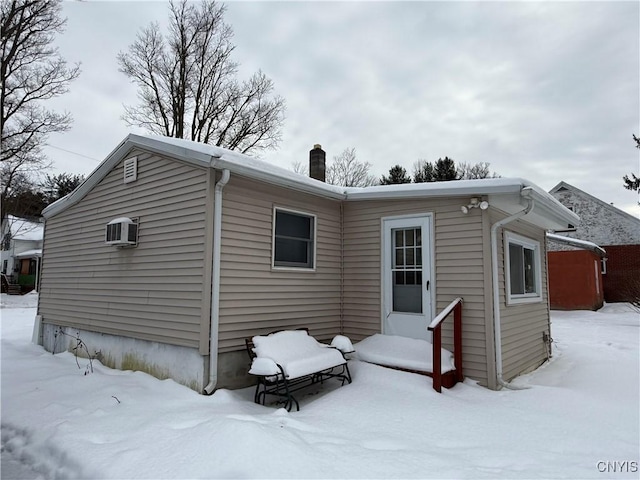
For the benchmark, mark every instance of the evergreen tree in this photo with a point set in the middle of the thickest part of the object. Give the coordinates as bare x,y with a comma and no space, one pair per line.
397,175
445,170
58,186
423,171
633,182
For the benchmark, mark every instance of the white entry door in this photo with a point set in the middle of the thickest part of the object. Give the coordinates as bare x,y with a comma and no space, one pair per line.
407,276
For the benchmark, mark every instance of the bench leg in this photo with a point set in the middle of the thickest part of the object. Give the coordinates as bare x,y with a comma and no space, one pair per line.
290,398
348,376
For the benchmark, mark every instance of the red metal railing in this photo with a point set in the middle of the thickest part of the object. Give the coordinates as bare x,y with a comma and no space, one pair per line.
436,327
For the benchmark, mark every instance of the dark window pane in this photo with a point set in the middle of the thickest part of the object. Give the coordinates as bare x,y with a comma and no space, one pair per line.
529,271
399,238
419,256
411,278
293,240
292,251
410,236
399,257
516,273
419,277
410,256
419,237
399,278
292,225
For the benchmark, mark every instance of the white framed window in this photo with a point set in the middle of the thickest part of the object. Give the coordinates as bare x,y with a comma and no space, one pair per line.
294,239
603,265
523,271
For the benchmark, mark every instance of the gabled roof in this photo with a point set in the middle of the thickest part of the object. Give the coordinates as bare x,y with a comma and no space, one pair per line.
607,206
549,213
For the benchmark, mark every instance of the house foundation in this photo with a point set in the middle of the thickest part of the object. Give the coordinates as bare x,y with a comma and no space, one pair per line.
182,364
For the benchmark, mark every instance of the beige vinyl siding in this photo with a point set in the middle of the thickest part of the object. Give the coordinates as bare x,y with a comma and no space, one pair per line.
154,291
522,325
459,270
256,298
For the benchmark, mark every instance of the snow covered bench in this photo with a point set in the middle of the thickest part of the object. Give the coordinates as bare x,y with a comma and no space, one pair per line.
286,361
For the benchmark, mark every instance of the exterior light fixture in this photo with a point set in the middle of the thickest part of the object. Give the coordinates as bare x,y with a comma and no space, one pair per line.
474,202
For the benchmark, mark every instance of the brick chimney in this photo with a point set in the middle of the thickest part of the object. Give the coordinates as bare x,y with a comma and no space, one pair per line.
317,161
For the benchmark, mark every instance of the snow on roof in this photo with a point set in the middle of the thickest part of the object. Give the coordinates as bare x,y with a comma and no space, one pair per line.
608,206
23,229
553,215
30,253
240,162
577,243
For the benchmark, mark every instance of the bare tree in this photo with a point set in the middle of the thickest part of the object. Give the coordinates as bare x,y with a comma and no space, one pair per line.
187,85
32,71
23,198
466,171
347,171
300,167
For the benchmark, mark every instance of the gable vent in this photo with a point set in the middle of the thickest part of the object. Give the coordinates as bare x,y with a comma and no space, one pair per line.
130,169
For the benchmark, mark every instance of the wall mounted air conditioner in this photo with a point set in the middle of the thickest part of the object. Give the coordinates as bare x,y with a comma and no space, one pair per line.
121,232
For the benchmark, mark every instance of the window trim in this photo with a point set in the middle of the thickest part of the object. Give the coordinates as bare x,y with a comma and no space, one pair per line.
293,268
525,242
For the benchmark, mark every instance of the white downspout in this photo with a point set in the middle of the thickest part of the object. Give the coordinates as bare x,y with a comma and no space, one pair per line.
215,283
497,333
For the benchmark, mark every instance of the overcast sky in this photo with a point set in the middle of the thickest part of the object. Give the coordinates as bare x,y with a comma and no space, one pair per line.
544,91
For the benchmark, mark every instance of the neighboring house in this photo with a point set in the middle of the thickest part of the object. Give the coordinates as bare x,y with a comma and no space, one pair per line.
172,252
617,232
575,274
21,251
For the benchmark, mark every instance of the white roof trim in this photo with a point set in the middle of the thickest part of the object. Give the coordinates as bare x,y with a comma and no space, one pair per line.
209,156
577,243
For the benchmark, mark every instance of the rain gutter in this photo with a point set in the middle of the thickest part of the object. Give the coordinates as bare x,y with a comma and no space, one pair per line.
497,332
215,281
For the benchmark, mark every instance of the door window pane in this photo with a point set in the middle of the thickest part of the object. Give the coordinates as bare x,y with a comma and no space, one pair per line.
407,270
411,257
399,257
410,237
399,236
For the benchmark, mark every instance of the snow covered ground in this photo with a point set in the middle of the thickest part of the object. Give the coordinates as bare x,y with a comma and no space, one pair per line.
578,419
